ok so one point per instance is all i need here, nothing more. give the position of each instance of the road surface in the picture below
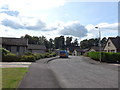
(81, 72)
(72, 72)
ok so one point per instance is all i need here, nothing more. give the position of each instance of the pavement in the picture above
(14, 64)
(39, 76)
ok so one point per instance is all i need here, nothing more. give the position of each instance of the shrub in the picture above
(4, 51)
(47, 55)
(10, 58)
(28, 53)
(105, 57)
(54, 54)
(28, 58)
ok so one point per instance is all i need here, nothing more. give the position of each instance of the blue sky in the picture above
(86, 12)
(53, 18)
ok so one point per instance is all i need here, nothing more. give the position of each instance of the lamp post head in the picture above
(96, 27)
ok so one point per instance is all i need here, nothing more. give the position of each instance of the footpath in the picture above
(39, 76)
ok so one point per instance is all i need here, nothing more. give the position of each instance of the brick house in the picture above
(113, 44)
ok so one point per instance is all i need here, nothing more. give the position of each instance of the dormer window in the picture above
(108, 44)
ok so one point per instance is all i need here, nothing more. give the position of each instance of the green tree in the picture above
(51, 43)
(68, 41)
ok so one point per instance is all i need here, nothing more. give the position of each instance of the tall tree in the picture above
(56, 42)
(51, 43)
(68, 41)
(75, 42)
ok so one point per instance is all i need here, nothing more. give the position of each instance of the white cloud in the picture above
(107, 30)
(74, 28)
(26, 6)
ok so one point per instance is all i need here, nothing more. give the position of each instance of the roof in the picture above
(36, 47)
(115, 41)
(79, 50)
(95, 48)
(14, 41)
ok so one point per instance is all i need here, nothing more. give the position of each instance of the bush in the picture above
(105, 57)
(28, 53)
(54, 54)
(10, 58)
(4, 51)
(28, 58)
(47, 55)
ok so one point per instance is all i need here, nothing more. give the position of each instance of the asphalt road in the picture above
(72, 72)
(81, 72)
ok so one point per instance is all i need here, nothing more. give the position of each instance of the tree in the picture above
(51, 45)
(103, 41)
(92, 42)
(68, 41)
(59, 42)
(56, 42)
(75, 42)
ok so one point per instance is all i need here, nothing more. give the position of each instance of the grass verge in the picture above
(11, 77)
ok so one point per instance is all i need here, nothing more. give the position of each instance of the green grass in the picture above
(11, 77)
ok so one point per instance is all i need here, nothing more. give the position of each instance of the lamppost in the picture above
(99, 42)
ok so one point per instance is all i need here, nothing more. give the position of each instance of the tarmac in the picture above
(39, 75)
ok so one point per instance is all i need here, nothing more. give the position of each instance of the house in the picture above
(36, 48)
(78, 52)
(95, 49)
(17, 46)
(113, 44)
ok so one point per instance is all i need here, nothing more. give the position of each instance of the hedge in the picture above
(105, 56)
(10, 57)
(28, 57)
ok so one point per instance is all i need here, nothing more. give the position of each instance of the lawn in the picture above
(11, 77)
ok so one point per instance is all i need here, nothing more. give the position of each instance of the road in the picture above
(81, 72)
(72, 72)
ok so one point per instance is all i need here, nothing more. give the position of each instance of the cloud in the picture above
(5, 9)
(39, 26)
(27, 6)
(12, 24)
(107, 30)
(11, 13)
(16, 25)
(75, 29)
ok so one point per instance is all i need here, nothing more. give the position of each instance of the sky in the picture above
(53, 18)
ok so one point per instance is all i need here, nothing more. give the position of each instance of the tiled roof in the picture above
(37, 47)
(116, 41)
(14, 41)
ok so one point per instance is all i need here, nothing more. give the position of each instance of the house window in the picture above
(112, 50)
(108, 44)
(18, 48)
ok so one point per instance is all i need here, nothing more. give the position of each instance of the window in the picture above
(18, 48)
(112, 50)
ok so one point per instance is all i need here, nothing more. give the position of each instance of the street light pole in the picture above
(99, 42)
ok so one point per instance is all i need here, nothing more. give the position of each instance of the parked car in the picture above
(63, 54)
